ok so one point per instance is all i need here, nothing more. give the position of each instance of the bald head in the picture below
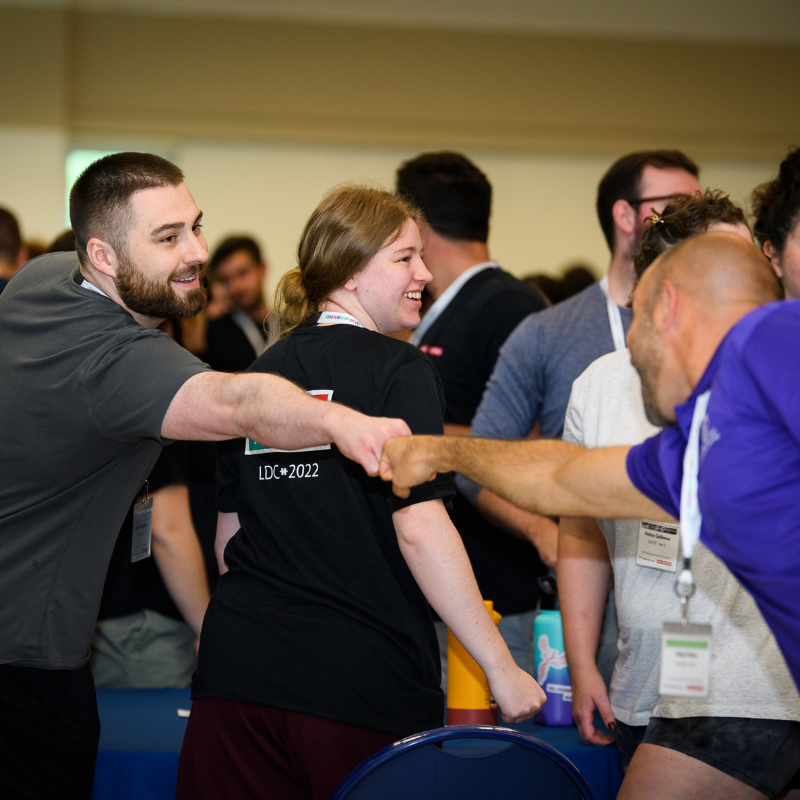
(717, 269)
(683, 308)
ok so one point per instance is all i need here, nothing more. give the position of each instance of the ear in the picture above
(668, 308)
(102, 257)
(351, 285)
(774, 257)
(624, 217)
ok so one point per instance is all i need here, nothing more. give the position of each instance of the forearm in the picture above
(272, 411)
(436, 557)
(540, 531)
(583, 577)
(180, 561)
(546, 477)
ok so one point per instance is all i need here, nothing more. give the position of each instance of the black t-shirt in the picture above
(463, 344)
(319, 612)
(132, 587)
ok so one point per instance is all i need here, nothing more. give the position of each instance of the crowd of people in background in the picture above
(395, 309)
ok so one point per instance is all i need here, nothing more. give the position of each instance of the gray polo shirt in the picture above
(83, 394)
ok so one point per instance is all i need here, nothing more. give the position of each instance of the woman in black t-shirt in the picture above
(318, 647)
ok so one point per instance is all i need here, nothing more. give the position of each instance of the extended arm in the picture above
(583, 573)
(213, 406)
(177, 553)
(546, 477)
(436, 557)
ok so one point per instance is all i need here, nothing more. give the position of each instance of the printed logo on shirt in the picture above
(432, 350)
(708, 437)
(253, 448)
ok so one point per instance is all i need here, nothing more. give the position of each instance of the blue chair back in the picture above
(466, 762)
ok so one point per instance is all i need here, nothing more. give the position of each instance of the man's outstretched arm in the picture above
(213, 406)
(547, 477)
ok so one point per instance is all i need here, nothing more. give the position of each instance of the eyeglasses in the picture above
(637, 201)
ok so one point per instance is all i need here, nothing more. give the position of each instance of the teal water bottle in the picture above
(550, 669)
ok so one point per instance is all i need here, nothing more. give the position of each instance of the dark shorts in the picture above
(235, 750)
(763, 753)
(49, 730)
(627, 738)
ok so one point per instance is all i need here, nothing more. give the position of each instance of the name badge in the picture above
(658, 545)
(685, 660)
(142, 529)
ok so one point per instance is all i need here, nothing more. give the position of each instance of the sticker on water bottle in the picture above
(685, 660)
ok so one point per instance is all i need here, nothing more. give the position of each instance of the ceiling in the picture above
(741, 21)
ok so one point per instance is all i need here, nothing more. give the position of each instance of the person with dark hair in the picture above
(12, 252)
(318, 647)
(717, 361)
(95, 391)
(235, 340)
(476, 305)
(685, 217)
(546, 352)
(63, 243)
(776, 206)
(606, 409)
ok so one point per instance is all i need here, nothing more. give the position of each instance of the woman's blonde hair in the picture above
(346, 230)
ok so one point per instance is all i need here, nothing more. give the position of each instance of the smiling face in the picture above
(159, 270)
(389, 288)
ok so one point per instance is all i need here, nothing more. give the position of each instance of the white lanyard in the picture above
(91, 287)
(338, 318)
(614, 317)
(691, 516)
(445, 298)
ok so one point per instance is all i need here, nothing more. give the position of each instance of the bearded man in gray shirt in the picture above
(91, 392)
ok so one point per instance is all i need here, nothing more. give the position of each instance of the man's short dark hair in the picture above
(232, 245)
(453, 194)
(622, 180)
(10, 237)
(99, 202)
(682, 219)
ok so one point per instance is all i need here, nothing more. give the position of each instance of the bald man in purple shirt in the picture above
(704, 320)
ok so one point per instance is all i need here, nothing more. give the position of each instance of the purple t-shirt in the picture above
(749, 479)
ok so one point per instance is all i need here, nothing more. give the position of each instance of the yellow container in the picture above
(469, 701)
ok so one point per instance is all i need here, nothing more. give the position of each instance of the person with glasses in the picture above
(533, 376)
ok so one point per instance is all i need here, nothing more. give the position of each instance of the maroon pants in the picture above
(239, 751)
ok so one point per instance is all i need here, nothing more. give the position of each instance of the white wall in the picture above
(543, 210)
(32, 179)
(543, 217)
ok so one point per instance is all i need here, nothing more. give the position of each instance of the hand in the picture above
(589, 693)
(362, 438)
(517, 694)
(543, 535)
(407, 462)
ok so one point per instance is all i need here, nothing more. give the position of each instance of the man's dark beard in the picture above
(157, 299)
